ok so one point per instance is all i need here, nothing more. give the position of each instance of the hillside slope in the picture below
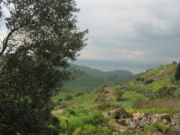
(147, 105)
(93, 78)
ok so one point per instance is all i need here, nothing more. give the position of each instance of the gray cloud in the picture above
(131, 30)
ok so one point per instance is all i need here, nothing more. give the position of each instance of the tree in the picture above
(42, 39)
(177, 74)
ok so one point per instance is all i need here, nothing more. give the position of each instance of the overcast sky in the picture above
(131, 31)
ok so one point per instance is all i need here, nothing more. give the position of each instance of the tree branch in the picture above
(5, 42)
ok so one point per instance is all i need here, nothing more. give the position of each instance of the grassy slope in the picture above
(134, 96)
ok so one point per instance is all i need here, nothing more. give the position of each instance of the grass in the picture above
(173, 103)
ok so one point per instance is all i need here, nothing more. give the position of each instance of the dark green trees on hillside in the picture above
(177, 75)
(42, 38)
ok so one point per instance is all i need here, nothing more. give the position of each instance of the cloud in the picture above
(131, 30)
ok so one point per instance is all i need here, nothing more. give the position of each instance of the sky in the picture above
(131, 34)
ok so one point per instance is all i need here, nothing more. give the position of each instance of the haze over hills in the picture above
(92, 78)
(108, 65)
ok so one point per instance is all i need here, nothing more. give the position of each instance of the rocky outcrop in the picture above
(148, 81)
(138, 121)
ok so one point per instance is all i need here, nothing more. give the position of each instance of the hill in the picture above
(92, 78)
(147, 105)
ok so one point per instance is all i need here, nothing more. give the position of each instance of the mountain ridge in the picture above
(91, 78)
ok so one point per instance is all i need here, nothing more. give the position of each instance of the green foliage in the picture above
(119, 93)
(127, 133)
(68, 97)
(177, 93)
(133, 96)
(103, 106)
(177, 74)
(83, 122)
(159, 127)
(42, 39)
(166, 91)
(79, 94)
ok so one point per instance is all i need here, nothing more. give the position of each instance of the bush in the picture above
(127, 133)
(174, 62)
(177, 74)
(177, 93)
(140, 78)
(103, 106)
(166, 91)
(79, 94)
(68, 97)
(159, 127)
(60, 100)
(79, 122)
(64, 105)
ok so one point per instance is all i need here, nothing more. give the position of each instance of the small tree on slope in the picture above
(177, 74)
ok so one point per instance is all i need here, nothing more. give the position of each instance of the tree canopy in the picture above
(34, 57)
(177, 74)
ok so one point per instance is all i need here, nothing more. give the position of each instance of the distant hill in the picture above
(93, 78)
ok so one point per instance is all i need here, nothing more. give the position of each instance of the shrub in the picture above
(165, 91)
(126, 133)
(60, 100)
(106, 91)
(140, 78)
(177, 74)
(177, 93)
(79, 94)
(103, 106)
(174, 62)
(68, 97)
(64, 105)
(82, 123)
(155, 127)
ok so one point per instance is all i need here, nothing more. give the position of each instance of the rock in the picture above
(160, 117)
(110, 113)
(175, 120)
(144, 122)
(132, 124)
(165, 116)
(138, 121)
(122, 122)
(176, 116)
(121, 113)
(148, 81)
(177, 127)
(116, 127)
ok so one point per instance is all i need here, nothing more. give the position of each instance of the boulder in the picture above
(148, 81)
(121, 113)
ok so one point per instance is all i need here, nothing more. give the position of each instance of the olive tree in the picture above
(42, 39)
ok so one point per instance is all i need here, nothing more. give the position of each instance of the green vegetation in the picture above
(90, 79)
(137, 96)
(177, 75)
(159, 127)
(82, 122)
(42, 39)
